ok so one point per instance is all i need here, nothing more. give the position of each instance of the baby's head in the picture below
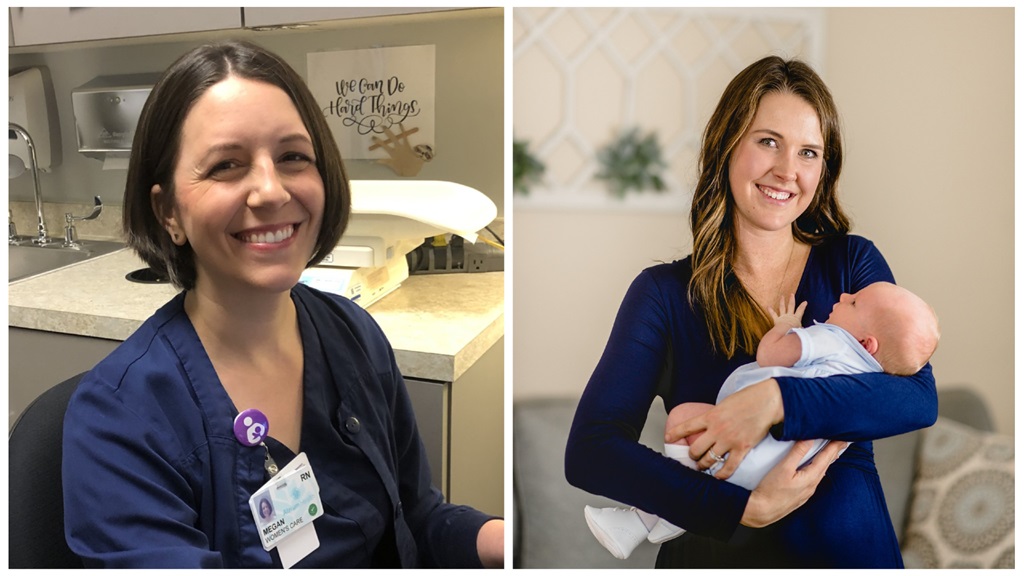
(893, 324)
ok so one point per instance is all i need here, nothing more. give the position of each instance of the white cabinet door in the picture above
(256, 17)
(31, 26)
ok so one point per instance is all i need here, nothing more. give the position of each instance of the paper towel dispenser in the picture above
(107, 110)
(33, 106)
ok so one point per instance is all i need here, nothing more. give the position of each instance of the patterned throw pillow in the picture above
(961, 514)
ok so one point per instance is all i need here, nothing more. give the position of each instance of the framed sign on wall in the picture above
(379, 102)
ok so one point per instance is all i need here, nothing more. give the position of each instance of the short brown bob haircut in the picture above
(157, 143)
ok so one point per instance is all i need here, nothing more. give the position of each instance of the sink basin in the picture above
(27, 259)
(146, 276)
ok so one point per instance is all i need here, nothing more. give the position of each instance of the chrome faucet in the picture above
(12, 230)
(70, 235)
(41, 237)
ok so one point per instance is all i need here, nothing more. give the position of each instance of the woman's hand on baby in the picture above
(786, 488)
(789, 315)
(732, 427)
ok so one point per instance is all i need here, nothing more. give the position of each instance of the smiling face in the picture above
(777, 164)
(247, 193)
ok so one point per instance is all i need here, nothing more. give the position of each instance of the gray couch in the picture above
(550, 531)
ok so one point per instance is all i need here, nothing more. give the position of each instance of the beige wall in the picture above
(469, 94)
(927, 101)
(588, 74)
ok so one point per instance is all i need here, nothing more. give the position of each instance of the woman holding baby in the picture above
(766, 223)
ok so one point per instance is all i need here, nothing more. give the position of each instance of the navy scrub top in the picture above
(154, 477)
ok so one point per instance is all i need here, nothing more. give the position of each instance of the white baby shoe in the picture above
(664, 531)
(620, 530)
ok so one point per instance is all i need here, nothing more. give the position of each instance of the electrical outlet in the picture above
(477, 263)
(483, 258)
(455, 256)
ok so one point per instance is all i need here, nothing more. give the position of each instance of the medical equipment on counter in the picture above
(389, 219)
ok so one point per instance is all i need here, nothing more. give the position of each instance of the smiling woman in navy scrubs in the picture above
(235, 186)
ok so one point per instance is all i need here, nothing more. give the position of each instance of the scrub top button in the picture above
(352, 425)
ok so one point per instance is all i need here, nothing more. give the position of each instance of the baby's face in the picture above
(854, 312)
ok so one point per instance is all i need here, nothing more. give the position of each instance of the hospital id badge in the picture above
(289, 502)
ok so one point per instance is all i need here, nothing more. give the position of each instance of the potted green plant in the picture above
(526, 169)
(632, 162)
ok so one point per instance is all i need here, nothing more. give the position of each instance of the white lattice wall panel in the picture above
(583, 75)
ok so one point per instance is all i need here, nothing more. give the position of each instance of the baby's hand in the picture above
(788, 317)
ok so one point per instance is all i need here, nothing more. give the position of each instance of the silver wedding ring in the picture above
(715, 457)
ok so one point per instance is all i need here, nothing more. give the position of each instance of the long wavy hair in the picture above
(734, 320)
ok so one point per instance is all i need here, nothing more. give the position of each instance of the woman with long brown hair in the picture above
(766, 222)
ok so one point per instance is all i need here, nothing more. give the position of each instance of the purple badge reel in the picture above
(251, 427)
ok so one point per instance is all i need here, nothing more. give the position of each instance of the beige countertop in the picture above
(438, 324)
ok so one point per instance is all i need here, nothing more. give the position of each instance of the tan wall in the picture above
(469, 99)
(927, 101)
(928, 107)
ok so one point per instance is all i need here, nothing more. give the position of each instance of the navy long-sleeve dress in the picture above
(659, 345)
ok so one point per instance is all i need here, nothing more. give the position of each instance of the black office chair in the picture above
(36, 519)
